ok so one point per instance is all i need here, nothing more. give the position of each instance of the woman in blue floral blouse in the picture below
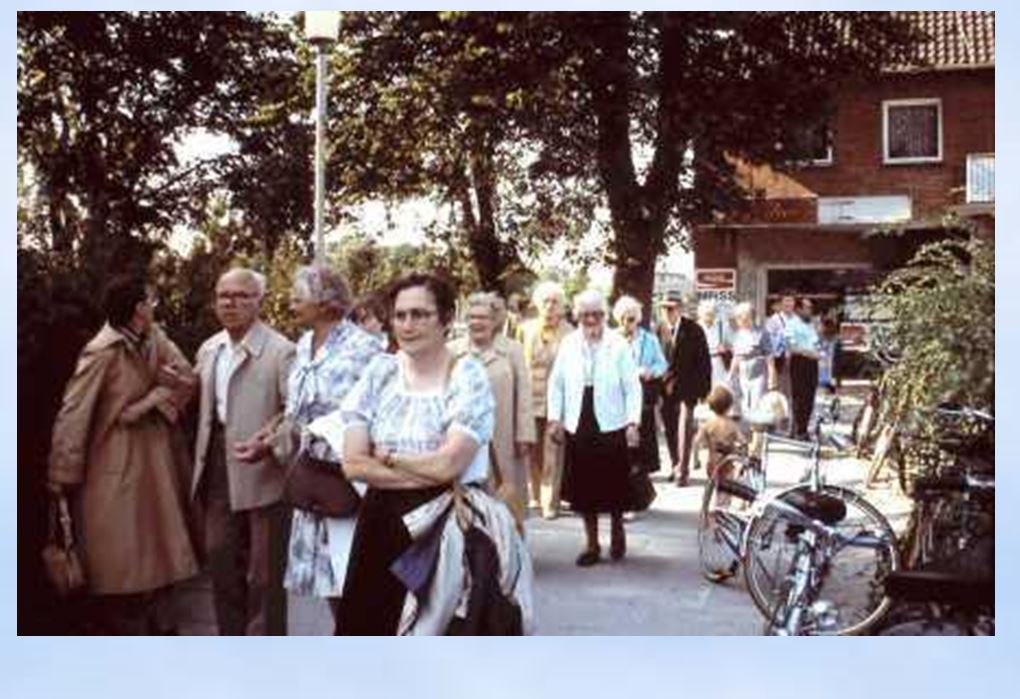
(330, 358)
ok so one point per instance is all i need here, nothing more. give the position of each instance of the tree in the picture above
(448, 101)
(431, 104)
(696, 91)
(940, 310)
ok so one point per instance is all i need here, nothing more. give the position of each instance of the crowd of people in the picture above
(450, 441)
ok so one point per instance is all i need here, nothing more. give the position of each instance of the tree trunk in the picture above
(639, 213)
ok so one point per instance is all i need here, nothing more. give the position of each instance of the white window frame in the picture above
(926, 101)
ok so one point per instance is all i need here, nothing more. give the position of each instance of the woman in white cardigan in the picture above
(595, 396)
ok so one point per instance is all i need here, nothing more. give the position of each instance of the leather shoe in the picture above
(588, 558)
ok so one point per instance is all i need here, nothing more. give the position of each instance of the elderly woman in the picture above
(595, 396)
(117, 448)
(647, 354)
(717, 338)
(417, 421)
(515, 424)
(754, 367)
(540, 338)
(330, 357)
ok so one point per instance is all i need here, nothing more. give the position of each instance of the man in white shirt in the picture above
(243, 371)
(802, 346)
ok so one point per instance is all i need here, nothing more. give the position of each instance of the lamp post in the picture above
(322, 28)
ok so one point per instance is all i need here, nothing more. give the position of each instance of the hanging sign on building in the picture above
(715, 279)
(719, 284)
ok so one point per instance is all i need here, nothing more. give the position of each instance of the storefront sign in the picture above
(715, 280)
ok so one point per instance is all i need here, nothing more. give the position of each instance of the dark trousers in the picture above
(670, 411)
(803, 385)
(135, 614)
(246, 554)
(674, 412)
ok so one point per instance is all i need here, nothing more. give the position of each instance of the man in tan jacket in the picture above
(243, 371)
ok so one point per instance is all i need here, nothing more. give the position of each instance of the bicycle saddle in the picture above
(940, 587)
(823, 507)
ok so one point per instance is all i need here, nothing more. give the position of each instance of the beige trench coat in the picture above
(133, 496)
(515, 422)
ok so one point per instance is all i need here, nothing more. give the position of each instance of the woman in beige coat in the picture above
(118, 452)
(540, 337)
(514, 422)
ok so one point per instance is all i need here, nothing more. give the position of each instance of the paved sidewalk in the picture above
(657, 589)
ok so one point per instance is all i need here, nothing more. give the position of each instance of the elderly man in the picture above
(243, 371)
(687, 381)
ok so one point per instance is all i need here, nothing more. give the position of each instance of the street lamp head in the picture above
(322, 26)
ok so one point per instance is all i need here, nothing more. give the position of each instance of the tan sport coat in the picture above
(256, 393)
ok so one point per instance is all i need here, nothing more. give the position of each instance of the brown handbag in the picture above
(60, 556)
(316, 485)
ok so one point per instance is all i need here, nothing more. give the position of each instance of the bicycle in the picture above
(817, 554)
(952, 590)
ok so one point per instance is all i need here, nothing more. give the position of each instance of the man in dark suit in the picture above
(687, 381)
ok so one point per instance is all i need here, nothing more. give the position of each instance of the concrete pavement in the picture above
(657, 589)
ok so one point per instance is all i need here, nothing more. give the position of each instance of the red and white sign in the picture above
(715, 280)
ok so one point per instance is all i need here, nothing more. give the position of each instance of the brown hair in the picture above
(720, 400)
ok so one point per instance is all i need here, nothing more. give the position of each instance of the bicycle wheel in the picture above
(719, 534)
(851, 580)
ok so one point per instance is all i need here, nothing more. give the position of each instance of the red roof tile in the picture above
(955, 39)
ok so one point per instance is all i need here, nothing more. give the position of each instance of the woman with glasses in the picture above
(647, 354)
(416, 422)
(514, 424)
(595, 397)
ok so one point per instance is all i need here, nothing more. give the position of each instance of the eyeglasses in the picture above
(415, 315)
(591, 314)
(234, 295)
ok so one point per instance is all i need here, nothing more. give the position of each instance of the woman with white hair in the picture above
(717, 338)
(647, 354)
(514, 424)
(329, 359)
(595, 396)
(754, 367)
(540, 339)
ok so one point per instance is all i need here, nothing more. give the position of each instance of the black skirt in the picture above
(645, 457)
(373, 597)
(596, 466)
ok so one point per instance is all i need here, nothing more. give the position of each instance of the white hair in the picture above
(589, 298)
(743, 309)
(487, 299)
(546, 290)
(257, 279)
(625, 305)
(323, 285)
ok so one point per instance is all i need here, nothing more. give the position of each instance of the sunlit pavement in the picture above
(657, 589)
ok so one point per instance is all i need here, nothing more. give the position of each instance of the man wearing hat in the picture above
(687, 380)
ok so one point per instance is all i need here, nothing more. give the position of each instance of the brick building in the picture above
(900, 152)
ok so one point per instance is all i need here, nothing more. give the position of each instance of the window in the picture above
(810, 145)
(912, 131)
(980, 178)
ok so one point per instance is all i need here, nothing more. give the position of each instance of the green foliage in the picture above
(941, 308)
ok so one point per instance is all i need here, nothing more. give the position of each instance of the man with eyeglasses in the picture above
(243, 371)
